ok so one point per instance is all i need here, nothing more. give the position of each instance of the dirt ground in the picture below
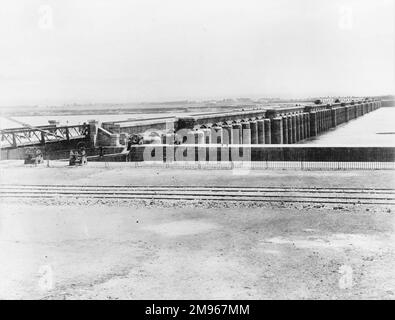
(139, 250)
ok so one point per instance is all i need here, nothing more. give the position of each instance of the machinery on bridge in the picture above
(153, 137)
(144, 138)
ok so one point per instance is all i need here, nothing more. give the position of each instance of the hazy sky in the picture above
(54, 52)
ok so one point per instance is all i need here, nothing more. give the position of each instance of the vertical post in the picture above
(277, 130)
(334, 117)
(302, 125)
(246, 136)
(319, 120)
(347, 111)
(67, 134)
(294, 129)
(297, 127)
(307, 114)
(268, 130)
(13, 140)
(226, 132)
(289, 125)
(305, 125)
(254, 132)
(93, 131)
(313, 124)
(42, 137)
(285, 129)
(328, 119)
(207, 136)
(261, 131)
(236, 133)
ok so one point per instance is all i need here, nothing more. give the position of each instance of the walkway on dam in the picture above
(375, 128)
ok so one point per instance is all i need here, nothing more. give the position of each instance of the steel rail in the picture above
(210, 194)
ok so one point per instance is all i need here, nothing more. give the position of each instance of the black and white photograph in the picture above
(185, 150)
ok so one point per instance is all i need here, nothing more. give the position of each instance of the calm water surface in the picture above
(375, 128)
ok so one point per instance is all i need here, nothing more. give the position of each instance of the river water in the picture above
(376, 128)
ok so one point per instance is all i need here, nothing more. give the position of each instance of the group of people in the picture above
(34, 156)
(78, 157)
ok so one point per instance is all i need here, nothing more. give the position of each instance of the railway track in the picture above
(204, 193)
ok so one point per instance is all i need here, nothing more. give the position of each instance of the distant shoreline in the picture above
(137, 109)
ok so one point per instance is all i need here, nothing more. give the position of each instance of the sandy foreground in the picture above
(190, 250)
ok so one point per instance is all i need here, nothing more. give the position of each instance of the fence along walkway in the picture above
(267, 165)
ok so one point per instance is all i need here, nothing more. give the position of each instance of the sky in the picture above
(115, 51)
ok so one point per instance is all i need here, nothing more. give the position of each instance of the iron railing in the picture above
(41, 135)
